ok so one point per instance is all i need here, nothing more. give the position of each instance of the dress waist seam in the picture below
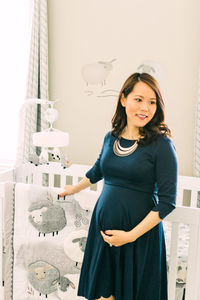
(130, 188)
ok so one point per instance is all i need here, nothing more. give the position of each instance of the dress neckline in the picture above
(126, 139)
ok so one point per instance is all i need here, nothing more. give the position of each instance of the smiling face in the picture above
(140, 105)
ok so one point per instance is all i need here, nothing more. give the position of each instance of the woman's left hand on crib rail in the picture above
(72, 189)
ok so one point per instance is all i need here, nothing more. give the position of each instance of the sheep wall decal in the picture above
(145, 68)
(96, 73)
(155, 69)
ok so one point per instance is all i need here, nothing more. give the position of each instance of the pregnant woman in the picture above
(125, 254)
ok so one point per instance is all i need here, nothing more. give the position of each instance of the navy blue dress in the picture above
(133, 186)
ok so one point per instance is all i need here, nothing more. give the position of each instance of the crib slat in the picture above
(179, 198)
(29, 178)
(193, 198)
(191, 293)
(23, 178)
(173, 261)
(62, 181)
(37, 177)
(51, 180)
(75, 180)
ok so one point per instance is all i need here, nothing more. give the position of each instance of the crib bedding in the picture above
(8, 233)
(44, 239)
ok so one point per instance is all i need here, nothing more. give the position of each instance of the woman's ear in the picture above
(123, 100)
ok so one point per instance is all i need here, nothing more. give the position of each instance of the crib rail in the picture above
(53, 172)
(191, 217)
(191, 184)
(53, 175)
(29, 173)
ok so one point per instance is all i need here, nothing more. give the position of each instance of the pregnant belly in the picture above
(122, 208)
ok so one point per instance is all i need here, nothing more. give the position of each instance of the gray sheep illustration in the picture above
(75, 243)
(67, 289)
(74, 210)
(82, 242)
(41, 250)
(97, 72)
(43, 277)
(47, 217)
(64, 283)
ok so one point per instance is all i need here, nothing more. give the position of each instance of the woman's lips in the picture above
(141, 118)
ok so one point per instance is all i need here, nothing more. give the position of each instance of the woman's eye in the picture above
(138, 100)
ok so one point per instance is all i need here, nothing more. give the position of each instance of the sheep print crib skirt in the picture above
(134, 271)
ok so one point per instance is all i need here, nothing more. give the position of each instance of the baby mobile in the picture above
(51, 139)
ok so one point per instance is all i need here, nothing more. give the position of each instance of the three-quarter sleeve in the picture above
(166, 175)
(95, 173)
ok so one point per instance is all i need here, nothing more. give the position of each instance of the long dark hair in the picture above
(152, 129)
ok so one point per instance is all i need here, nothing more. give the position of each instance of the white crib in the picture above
(55, 175)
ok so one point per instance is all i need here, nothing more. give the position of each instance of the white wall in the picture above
(86, 31)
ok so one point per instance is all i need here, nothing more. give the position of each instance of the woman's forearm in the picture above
(151, 220)
(83, 184)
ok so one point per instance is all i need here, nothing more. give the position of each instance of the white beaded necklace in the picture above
(121, 151)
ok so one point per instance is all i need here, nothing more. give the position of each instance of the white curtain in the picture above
(197, 138)
(14, 54)
(32, 117)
